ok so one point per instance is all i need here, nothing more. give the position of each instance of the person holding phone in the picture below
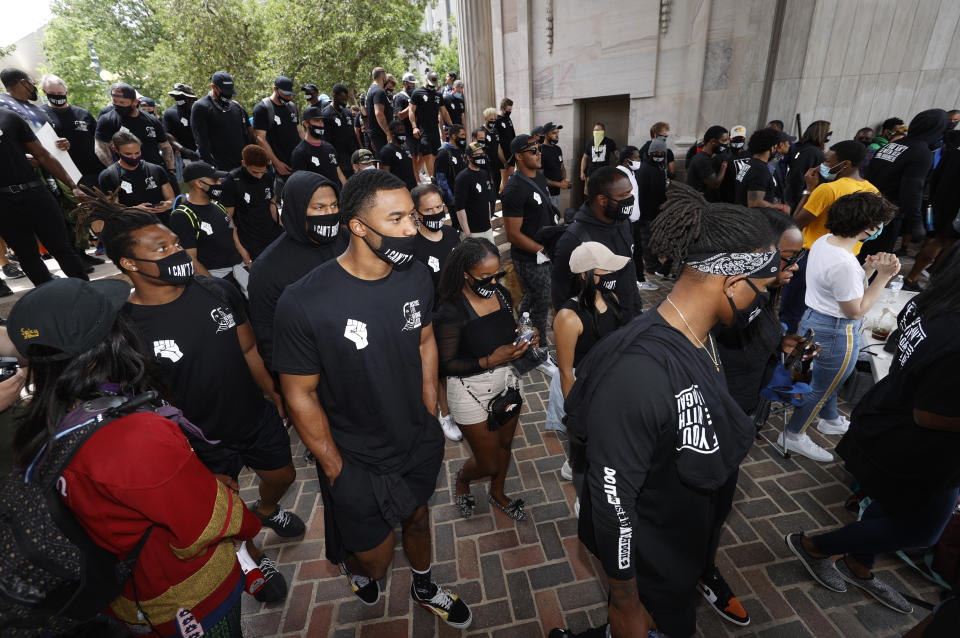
(136, 182)
(476, 341)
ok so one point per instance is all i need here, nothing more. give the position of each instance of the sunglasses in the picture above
(487, 280)
(790, 261)
(533, 151)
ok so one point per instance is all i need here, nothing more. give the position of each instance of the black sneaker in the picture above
(90, 259)
(366, 589)
(12, 271)
(275, 585)
(447, 605)
(5, 289)
(715, 589)
(284, 522)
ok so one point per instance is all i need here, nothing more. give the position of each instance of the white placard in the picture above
(48, 139)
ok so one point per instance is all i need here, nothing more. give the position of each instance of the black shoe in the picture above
(715, 589)
(46, 257)
(90, 259)
(284, 522)
(5, 289)
(366, 589)
(88, 269)
(447, 605)
(12, 271)
(912, 286)
(275, 585)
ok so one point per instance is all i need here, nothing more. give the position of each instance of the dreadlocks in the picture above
(118, 222)
(688, 224)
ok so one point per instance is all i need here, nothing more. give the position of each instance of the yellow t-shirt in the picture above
(822, 198)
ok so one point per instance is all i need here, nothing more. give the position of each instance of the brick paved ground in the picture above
(522, 579)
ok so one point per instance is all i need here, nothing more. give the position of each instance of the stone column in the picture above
(475, 49)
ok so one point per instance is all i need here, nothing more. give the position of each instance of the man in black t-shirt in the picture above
(207, 231)
(474, 195)
(450, 161)
(176, 121)
(220, 125)
(552, 159)
(248, 196)
(379, 110)
(125, 115)
(453, 102)
(426, 111)
(276, 126)
(338, 126)
(137, 182)
(700, 171)
(598, 152)
(30, 211)
(526, 210)
(357, 360)
(659, 130)
(401, 104)
(203, 347)
(505, 135)
(76, 125)
(756, 184)
(396, 158)
(313, 153)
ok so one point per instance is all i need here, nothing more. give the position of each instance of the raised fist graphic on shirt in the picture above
(356, 331)
(167, 349)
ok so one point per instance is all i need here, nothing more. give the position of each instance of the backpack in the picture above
(268, 104)
(53, 576)
(180, 205)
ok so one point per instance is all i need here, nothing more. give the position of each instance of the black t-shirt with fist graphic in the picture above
(433, 254)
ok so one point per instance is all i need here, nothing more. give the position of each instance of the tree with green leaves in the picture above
(447, 59)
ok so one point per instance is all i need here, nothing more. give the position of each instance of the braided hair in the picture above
(461, 259)
(687, 224)
(119, 222)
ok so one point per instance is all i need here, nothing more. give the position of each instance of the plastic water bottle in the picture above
(524, 329)
(251, 570)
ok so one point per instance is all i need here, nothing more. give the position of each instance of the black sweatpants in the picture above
(34, 214)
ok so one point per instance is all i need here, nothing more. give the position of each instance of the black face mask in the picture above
(434, 222)
(507, 115)
(131, 162)
(743, 318)
(461, 143)
(827, 138)
(224, 101)
(619, 209)
(396, 251)
(721, 148)
(389, 92)
(480, 160)
(123, 111)
(57, 100)
(608, 281)
(175, 269)
(490, 125)
(483, 287)
(401, 138)
(316, 131)
(323, 229)
(33, 93)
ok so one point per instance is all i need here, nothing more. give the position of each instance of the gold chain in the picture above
(713, 357)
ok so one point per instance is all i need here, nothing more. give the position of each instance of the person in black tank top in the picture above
(476, 333)
(582, 321)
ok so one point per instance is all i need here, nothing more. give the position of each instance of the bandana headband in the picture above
(753, 265)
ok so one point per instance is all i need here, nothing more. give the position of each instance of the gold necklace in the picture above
(713, 357)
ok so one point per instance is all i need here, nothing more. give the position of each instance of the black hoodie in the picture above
(652, 187)
(291, 256)
(618, 237)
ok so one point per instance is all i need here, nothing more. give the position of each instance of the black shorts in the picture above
(943, 217)
(429, 143)
(266, 448)
(412, 144)
(355, 519)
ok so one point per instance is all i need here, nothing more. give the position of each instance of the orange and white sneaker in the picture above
(715, 589)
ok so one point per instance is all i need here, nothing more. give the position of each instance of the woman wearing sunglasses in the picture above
(476, 341)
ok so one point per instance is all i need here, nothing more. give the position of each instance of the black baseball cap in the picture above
(521, 143)
(197, 170)
(537, 130)
(39, 317)
(284, 85)
(551, 126)
(223, 81)
(122, 89)
(147, 101)
(310, 87)
(311, 112)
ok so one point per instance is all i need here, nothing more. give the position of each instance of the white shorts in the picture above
(469, 410)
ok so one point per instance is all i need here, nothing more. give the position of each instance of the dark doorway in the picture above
(614, 112)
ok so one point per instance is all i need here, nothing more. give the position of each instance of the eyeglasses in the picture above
(790, 261)
(533, 151)
(486, 280)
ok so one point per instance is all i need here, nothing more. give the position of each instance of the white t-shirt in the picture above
(833, 275)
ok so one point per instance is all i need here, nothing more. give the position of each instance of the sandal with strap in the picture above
(513, 509)
(464, 502)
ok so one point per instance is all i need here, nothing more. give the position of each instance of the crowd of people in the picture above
(336, 270)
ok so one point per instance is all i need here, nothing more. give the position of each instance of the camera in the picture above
(8, 367)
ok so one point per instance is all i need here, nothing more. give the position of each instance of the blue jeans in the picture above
(840, 340)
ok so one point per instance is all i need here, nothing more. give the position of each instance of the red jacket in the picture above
(140, 470)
